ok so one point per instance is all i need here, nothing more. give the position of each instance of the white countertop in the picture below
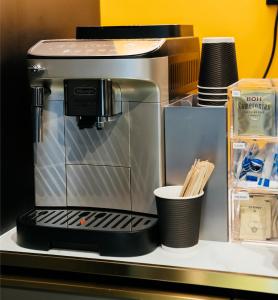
(250, 259)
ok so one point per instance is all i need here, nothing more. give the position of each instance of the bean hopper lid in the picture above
(134, 32)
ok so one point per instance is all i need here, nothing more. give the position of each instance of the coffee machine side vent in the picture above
(183, 75)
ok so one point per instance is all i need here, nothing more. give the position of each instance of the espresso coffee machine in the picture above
(99, 137)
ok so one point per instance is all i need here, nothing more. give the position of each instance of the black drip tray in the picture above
(109, 232)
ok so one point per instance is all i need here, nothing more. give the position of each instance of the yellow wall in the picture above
(249, 21)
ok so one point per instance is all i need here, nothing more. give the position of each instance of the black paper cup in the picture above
(222, 90)
(179, 217)
(218, 67)
(209, 106)
(212, 96)
(207, 103)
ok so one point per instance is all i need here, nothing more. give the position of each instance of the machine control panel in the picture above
(91, 48)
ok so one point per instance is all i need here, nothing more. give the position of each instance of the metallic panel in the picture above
(44, 289)
(194, 132)
(98, 267)
(146, 147)
(109, 146)
(34, 293)
(146, 69)
(49, 158)
(135, 140)
(98, 186)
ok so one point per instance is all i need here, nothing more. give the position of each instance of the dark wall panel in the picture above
(23, 23)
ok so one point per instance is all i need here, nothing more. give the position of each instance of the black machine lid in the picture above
(134, 32)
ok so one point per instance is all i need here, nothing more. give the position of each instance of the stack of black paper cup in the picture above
(218, 70)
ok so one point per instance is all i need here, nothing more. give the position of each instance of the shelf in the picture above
(209, 263)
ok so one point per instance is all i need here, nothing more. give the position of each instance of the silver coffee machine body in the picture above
(98, 118)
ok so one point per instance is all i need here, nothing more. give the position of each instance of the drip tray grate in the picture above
(109, 232)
